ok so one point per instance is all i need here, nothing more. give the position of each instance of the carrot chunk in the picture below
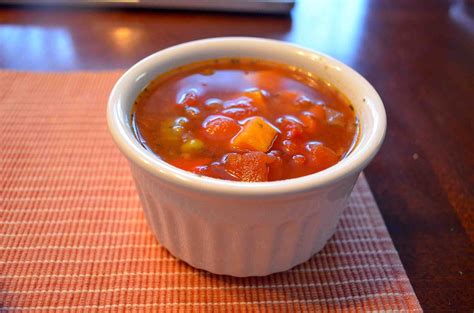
(257, 135)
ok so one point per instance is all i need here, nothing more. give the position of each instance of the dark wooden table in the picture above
(419, 55)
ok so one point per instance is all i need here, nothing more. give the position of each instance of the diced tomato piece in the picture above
(192, 112)
(213, 104)
(218, 127)
(249, 167)
(298, 160)
(334, 117)
(217, 170)
(190, 164)
(188, 98)
(239, 108)
(320, 156)
(312, 123)
(319, 112)
(309, 121)
(236, 113)
(303, 102)
(274, 156)
(275, 164)
(313, 119)
(240, 102)
(294, 132)
(297, 166)
(289, 147)
(201, 170)
(291, 126)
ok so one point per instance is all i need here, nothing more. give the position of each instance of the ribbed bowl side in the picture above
(230, 247)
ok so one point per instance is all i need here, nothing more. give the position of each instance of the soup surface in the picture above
(245, 120)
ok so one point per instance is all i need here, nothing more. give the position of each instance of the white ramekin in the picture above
(238, 228)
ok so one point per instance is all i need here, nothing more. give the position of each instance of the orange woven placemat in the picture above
(73, 236)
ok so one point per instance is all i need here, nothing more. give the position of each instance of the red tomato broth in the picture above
(245, 120)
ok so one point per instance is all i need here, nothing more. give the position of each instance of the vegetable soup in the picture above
(245, 120)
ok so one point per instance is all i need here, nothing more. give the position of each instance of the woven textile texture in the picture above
(73, 236)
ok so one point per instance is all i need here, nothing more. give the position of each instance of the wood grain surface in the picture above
(418, 55)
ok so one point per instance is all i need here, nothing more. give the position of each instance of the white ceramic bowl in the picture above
(239, 228)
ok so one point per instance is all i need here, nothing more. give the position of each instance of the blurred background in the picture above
(104, 34)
